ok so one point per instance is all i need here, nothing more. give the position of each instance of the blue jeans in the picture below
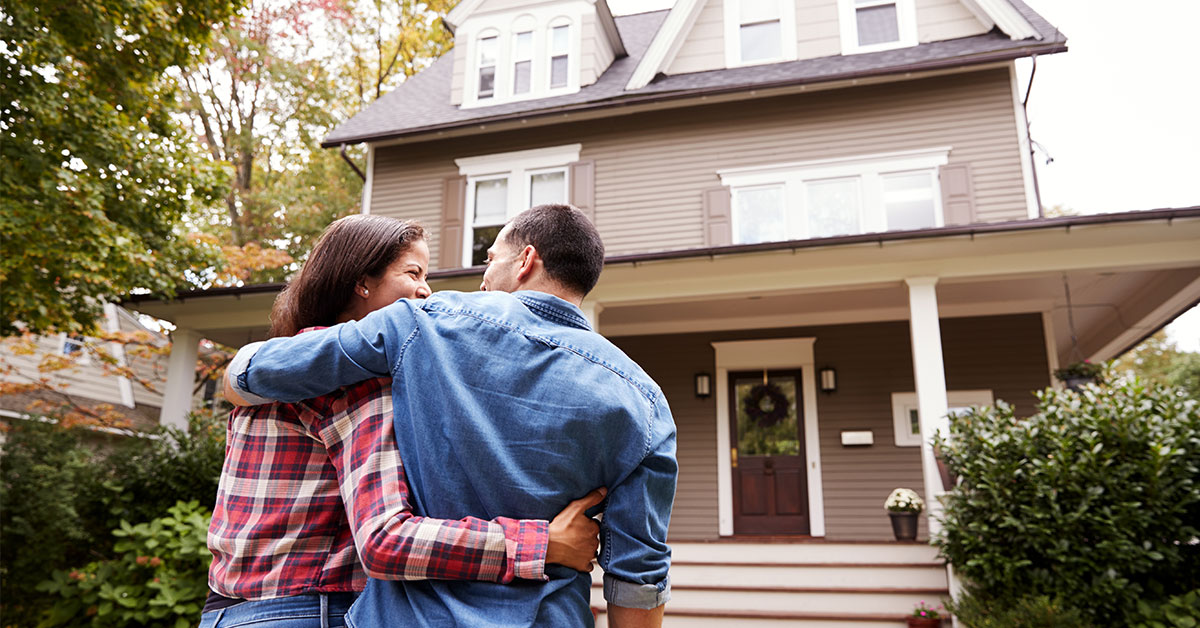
(317, 610)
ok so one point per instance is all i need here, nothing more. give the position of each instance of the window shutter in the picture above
(958, 194)
(454, 209)
(583, 187)
(717, 212)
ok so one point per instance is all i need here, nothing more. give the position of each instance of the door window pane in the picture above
(908, 200)
(760, 215)
(877, 25)
(834, 207)
(547, 187)
(761, 41)
(764, 428)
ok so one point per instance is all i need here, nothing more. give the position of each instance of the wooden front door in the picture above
(770, 486)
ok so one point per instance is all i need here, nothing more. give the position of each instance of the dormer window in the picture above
(487, 65)
(522, 62)
(873, 25)
(560, 55)
(759, 31)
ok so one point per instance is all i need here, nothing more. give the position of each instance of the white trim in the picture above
(906, 26)
(733, 35)
(181, 377)
(1003, 14)
(929, 371)
(460, 13)
(366, 193)
(771, 354)
(1051, 348)
(666, 43)
(1027, 174)
(118, 352)
(904, 159)
(500, 163)
(905, 402)
(1158, 317)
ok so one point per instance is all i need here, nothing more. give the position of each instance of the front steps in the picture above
(802, 584)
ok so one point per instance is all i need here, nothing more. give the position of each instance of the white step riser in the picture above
(803, 553)
(740, 622)
(804, 576)
(857, 603)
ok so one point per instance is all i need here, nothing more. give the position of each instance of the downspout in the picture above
(1037, 192)
(364, 177)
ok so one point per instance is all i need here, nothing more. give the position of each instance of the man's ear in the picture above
(529, 261)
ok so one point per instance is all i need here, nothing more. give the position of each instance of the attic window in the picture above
(560, 46)
(873, 25)
(760, 30)
(522, 62)
(487, 66)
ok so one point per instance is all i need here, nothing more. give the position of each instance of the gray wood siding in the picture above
(818, 32)
(652, 168)
(938, 20)
(1003, 353)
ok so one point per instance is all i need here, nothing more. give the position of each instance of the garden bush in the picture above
(1094, 501)
(158, 576)
(61, 496)
(1180, 611)
(1026, 612)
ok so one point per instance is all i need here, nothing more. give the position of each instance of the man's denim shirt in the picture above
(505, 405)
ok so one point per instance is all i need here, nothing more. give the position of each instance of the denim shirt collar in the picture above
(553, 308)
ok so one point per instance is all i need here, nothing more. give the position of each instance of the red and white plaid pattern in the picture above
(304, 483)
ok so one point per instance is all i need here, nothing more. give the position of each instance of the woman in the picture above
(309, 488)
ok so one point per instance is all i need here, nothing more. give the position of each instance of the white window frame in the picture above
(477, 65)
(81, 357)
(518, 167)
(538, 20)
(903, 404)
(789, 48)
(871, 169)
(530, 58)
(906, 18)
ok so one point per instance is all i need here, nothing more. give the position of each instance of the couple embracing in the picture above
(449, 446)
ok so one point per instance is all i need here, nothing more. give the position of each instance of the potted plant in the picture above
(925, 616)
(903, 506)
(1079, 374)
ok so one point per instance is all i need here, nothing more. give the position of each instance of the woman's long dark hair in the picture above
(351, 248)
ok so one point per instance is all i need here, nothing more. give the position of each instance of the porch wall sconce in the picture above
(703, 385)
(828, 380)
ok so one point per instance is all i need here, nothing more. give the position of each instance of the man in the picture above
(506, 401)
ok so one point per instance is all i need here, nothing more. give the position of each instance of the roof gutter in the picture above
(618, 102)
(352, 164)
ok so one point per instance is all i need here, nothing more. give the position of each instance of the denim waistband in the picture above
(286, 607)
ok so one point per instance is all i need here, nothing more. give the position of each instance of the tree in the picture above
(97, 174)
(1158, 359)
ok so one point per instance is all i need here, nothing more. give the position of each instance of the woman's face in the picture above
(405, 278)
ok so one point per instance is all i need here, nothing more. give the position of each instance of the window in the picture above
(522, 62)
(840, 197)
(560, 56)
(487, 66)
(872, 25)
(501, 186)
(74, 347)
(906, 416)
(759, 31)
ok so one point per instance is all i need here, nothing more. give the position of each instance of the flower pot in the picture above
(904, 526)
(923, 622)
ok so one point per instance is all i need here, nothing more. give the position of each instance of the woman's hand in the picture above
(574, 536)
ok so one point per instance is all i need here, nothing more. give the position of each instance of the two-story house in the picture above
(823, 236)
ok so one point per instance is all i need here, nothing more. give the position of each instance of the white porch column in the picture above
(591, 311)
(930, 372)
(181, 378)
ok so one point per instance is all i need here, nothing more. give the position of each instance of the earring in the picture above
(365, 292)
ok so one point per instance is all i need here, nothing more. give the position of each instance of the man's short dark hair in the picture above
(568, 243)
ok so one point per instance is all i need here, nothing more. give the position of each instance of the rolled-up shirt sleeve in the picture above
(318, 362)
(635, 556)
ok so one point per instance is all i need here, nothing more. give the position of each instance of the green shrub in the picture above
(1093, 501)
(975, 611)
(61, 496)
(158, 576)
(1179, 611)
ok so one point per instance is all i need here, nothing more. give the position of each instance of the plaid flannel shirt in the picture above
(305, 484)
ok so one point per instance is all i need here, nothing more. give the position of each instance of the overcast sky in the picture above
(1117, 112)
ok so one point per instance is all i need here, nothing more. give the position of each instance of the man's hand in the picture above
(574, 536)
(231, 394)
